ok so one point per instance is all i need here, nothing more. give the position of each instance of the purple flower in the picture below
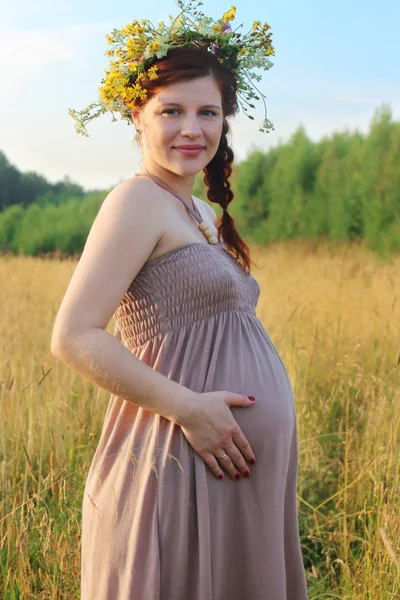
(216, 49)
(226, 28)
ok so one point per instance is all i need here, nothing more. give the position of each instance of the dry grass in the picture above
(334, 315)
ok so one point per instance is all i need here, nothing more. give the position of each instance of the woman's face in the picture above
(184, 113)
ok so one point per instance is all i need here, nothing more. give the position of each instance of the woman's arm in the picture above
(99, 357)
(127, 228)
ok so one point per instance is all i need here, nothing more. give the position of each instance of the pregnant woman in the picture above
(191, 493)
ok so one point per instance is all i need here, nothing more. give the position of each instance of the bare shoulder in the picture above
(134, 193)
(136, 208)
(125, 232)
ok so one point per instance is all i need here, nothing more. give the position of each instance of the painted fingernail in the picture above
(246, 473)
(251, 461)
(237, 475)
(251, 398)
(220, 476)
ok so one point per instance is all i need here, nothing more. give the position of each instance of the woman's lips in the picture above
(190, 152)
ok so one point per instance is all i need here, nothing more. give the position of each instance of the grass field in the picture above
(332, 311)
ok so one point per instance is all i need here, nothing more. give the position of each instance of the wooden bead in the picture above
(203, 225)
(213, 240)
(207, 232)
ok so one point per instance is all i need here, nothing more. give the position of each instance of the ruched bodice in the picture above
(169, 293)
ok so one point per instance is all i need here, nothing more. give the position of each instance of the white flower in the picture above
(148, 52)
(162, 50)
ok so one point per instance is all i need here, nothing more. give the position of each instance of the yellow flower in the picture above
(154, 45)
(217, 28)
(107, 92)
(131, 94)
(256, 25)
(242, 51)
(152, 72)
(120, 53)
(230, 15)
(132, 48)
(221, 60)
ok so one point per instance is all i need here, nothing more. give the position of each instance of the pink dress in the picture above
(156, 522)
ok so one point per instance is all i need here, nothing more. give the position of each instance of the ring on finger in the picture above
(223, 456)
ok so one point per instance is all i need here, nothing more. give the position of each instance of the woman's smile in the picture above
(187, 151)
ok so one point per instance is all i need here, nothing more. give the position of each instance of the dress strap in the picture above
(194, 212)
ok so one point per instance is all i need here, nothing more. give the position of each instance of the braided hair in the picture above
(216, 179)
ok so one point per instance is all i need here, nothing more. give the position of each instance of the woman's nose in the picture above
(190, 126)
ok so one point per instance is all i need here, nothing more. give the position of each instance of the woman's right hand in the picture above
(211, 430)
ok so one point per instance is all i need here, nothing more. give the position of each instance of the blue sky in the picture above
(334, 64)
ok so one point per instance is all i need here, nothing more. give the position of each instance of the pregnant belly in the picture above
(256, 369)
(234, 353)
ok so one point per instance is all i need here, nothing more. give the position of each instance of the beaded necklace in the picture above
(203, 225)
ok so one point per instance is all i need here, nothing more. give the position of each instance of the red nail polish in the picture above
(251, 398)
(246, 473)
(220, 476)
(237, 475)
(251, 461)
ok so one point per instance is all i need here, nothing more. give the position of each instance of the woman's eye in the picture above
(172, 110)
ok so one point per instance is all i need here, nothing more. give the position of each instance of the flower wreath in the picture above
(136, 48)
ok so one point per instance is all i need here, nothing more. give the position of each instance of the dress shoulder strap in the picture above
(194, 211)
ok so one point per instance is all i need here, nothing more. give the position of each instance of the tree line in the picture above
(346, 186)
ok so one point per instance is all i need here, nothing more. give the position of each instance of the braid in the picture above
(216, 178)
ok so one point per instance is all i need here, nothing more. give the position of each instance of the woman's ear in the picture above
(136, 119)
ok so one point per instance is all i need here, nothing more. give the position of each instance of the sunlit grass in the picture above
(332, 312)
